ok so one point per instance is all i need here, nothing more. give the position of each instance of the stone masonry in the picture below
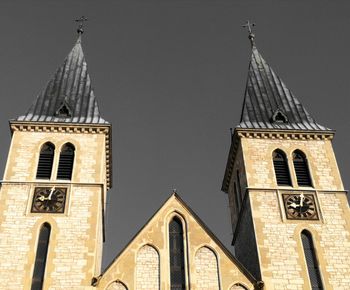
(207, 276)
(147, 269)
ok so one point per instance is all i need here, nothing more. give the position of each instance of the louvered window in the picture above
(280, 164)
(47, 153)
(301, 169)
(311, 261)
(65, 166)
(40, 259)
(177, 261)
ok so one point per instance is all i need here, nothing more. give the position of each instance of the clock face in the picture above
(300, 206)
(49, 200)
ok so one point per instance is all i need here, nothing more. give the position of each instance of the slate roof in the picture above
(68, 97)
(269, 104)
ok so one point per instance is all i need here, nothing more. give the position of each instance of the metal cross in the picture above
(249, 25)
(82, 19)
(251, 36)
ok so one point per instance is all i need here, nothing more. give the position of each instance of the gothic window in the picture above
(301, 168)
(40, 259)
(280, 164)
(311, 261)
(65, 166)
(47, 153)
(177, 260)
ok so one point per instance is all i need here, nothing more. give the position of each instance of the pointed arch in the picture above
(147, 268)
(207, 271)
(280, 164)
(117, 285)
(40, 258)
(47, 153)
(177, 255)
(301, 168)
(238, 286)
(311, 260)
(65, 165)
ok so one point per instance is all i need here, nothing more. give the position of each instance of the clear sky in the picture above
(170, 77)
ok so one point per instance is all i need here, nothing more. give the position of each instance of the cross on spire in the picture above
(81, 21)
(251, 35)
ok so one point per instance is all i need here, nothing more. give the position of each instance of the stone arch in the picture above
(238, 286)
(147, 268)
(117, 285)
(206, 265)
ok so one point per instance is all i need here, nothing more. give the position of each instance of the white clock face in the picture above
(300, 206)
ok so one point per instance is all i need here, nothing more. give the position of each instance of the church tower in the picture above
(53, 193)
(289, 211)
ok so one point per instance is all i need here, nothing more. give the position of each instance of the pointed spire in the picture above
(268, 103)
(68, 97)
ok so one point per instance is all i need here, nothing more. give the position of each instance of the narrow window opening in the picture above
(44, 169)
(65, 166)
(301, 169)
(239, 189)
(311, 261)
(281, 168)
(177, 260)
(237, 200)
(40, 259)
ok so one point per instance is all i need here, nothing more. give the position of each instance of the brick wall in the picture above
(206, 265)
(147, 269)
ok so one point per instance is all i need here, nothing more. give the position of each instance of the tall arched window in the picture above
(280, 164)
(65, 166)
(177, 260)
(301, 168)
(47, 153)
(40, 259)
(311, 261)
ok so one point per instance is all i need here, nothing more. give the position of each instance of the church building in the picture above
(289, 211)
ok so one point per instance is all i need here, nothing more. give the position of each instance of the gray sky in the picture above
(170, 77)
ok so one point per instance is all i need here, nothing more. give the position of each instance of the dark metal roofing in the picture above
(68, 97)
(269, 104)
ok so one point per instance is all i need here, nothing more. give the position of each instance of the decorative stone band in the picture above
(267, 134)
(286, 135)
(72, 128)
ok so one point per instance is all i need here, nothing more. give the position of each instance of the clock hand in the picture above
(293, 205)
(301, 199)
(42, 198)
(51, 192)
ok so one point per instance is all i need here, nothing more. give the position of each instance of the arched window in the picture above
(177, 260)
(40, 259)
(301, 168)
(65, 166)
(47, 153)
(311, 261)
(280, 164)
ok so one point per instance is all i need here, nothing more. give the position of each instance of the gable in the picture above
(144, 262)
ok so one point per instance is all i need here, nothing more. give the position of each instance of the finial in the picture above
(174, 190)
(251, 35)
(80, 29)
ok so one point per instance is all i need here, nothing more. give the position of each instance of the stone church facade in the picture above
(289, 211)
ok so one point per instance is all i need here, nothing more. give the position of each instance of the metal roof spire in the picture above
(81, 21)
(251, 35)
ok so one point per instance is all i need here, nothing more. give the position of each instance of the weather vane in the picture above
(251, 36)
(81, 21)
